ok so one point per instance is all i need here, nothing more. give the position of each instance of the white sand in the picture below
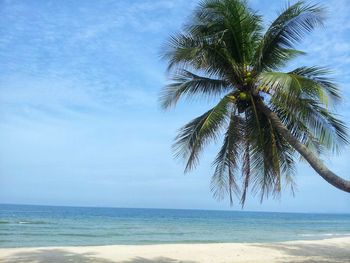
(320, 251)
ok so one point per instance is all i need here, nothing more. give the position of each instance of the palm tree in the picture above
(266, 117)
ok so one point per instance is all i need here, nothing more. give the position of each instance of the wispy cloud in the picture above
(64, 54)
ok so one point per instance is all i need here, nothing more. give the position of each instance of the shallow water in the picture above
(25, 226)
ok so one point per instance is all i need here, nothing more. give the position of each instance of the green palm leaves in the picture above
(307, 114)
(277, 45)
(189, 84)
(223, 52)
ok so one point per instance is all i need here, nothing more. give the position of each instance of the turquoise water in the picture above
(25, 226)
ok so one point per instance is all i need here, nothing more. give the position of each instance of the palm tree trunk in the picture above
(313, 160)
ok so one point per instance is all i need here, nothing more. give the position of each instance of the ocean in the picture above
(32, 226)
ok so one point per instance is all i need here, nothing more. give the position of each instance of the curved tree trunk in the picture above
(313, 160)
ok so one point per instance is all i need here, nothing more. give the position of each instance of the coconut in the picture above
(243, 96)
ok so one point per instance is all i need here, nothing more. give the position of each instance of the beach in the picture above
(326, 250)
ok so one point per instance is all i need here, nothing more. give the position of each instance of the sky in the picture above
(80, 122)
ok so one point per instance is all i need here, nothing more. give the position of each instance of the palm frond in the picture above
(246, 169)
(308, 82)
(187, 84)
(196, 134)
(295, 125)
(209, 55)
(307, 93)
(219, 39)
(329, 131)
(277, 45)
(271, 160)
(239, 27)
(224, 180)
(318, 77)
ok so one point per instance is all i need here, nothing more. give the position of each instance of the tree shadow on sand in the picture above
(64, 256)
(317, 253)
(157, 260)
(54, 255)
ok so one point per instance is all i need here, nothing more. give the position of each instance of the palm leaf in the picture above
(186, 51)
(318, 77)
(226, 161)
(196, 134)
(271, 162)
(238, 26)
(246, 169)
(307, 94)
(310, 82)
(277, 45)
(187, 84)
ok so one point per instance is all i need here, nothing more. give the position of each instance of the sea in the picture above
(34, 226)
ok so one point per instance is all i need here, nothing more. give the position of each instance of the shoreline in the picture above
(322, 250)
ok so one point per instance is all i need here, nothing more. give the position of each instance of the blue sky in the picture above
(79, 119)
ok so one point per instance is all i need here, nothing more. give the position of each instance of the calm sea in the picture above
(25, 226)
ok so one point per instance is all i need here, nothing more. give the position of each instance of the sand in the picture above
(320, 251)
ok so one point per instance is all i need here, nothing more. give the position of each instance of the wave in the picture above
(98, 235)
(24, 222)
(32, 222)
(90, 235)
(324, 234)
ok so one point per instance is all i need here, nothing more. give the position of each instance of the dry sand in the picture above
(320, 251)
